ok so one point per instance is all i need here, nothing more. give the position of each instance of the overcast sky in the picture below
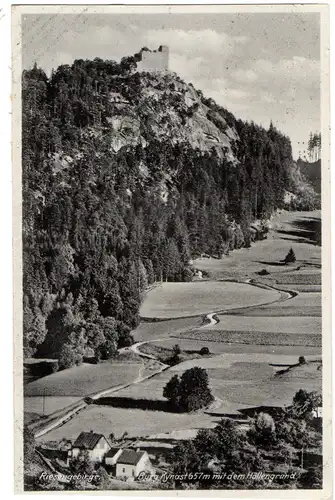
(261, 67)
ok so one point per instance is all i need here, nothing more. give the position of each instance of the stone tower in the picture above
(156, 60)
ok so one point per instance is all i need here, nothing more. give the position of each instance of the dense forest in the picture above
(101, 224)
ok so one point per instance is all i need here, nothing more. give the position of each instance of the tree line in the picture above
(313, 147)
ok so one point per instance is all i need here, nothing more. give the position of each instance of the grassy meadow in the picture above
(84, 380)
(248, 347)
(276, 324)
(187, 299)
(304, 304)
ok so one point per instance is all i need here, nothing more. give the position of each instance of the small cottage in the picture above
(128, 463)
(317, 412)
(112, 455)
(96, 445)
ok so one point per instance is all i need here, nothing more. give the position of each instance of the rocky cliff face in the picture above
(165, 108)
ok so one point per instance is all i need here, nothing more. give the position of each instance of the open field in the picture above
(253, 338)
(84, 380)
(302, 288)
(135, 422)
(277, 324)
(148, 331)
(246, 352)
(187, 299)
(304, 304)
(297, 279)
(224, 348)
(268, 253)
(273, 390)
(249, 365)
(238, 381)
(36, 405)
(164, 354)
(242, 379)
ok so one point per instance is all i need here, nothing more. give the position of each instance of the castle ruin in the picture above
(154, 60)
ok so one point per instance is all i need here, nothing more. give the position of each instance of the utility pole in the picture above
(43, 402)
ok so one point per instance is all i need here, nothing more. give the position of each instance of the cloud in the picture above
(237, 94)
(193, 42)
(245, 75)
(298, 69)
(266, 97)
(192, 69)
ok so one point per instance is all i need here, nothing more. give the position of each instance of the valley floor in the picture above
(260, 332)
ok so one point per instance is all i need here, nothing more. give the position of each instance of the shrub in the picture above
(44, 368)
(175, 358)
(176, 350)
(263, 430)
(205, 319)
(125, 339)
(290, 257)
(302, 360)
(69, 357)
(263, 272)
(203, 351)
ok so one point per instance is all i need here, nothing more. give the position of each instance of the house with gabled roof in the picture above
(96, 445)
(128, 463)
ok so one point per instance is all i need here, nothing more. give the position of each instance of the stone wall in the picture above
(154, 60)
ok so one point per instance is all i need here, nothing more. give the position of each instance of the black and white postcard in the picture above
(172, 250)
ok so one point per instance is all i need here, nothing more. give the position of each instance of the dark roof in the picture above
(87, 440)
(130, 457)
(112, 452)
(272, 410)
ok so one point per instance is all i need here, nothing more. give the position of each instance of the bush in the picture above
(44, 368)
(176, 350)
(203, 351)
(302, 360)
(68, 357)
(263, 430)
(263, 272)
(290, 257)
(175, 358)
(125, 338)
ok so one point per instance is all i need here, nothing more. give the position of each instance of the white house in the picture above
(127, 462)
(96, 445)
(112, 455)
(317, 412)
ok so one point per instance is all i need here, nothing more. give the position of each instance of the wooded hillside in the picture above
(126, 176)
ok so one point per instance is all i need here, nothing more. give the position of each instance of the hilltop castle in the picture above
(154, 60)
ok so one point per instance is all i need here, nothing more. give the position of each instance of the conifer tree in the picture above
(290, 257)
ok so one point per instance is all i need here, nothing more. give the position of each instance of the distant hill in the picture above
(312, 173)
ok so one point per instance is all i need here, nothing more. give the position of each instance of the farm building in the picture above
(96, 445)
(127, 462)
(317, 412)
(112, 455)
(274, 411)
